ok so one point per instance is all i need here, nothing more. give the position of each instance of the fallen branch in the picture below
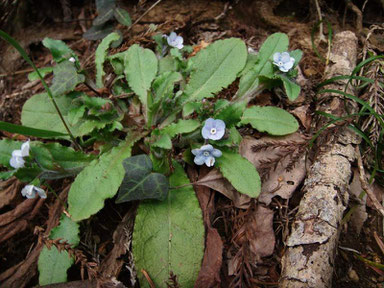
(311, 246)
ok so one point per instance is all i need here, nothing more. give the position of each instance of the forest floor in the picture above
(200, 23)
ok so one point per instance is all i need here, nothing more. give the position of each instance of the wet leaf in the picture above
(98, 32)
(122, 16)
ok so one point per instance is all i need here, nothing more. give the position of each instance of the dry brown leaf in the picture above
(215, 181)
(302, 113)
(280, 182)
(209, 275)
(259, 232)
(8, 191)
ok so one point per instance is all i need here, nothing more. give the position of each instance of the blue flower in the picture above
(30, 191)
(284, 61)
(17, 160)
(174, 40)
(213, 129)
(206, 154)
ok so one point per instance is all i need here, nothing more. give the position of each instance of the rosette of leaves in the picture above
(102, 25)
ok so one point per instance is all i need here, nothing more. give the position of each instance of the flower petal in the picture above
(210, 161)
(206, 132)
(276, 57)
(199, 160)
(17, 153)
(285, 57)
(217, 153)
(40, 191)
(287, 66)
(16, 162)
(25, 149)
(28, 192)
(207, 147)
(196, 151)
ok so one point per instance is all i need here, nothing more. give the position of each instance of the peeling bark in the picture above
(311, 247)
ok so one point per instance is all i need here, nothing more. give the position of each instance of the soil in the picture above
(196, 21)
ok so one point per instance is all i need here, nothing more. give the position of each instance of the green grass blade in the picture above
(28, 131)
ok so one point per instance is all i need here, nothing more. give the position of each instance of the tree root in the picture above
(311, 247)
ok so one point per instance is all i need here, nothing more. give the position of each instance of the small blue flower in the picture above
(284, 61)
(213, 129)
(206, 154)
(174, 40)
(17, 160)
(30, 191)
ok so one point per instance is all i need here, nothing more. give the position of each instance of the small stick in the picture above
(364, 183)
(142, 15)
(150, 282)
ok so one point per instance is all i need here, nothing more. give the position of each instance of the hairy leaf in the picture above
(215, 67)
(99, 181)
(140, 182)
(272, 120)
(59, 49)
(100, 55)
(240, 172)
(140, 70)
(65, 78)
(169, 235)
(53, 264)
(122, 16)
(163, 84)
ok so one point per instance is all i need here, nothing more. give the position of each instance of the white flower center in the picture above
(213, 131)
(206, 153)
(280, 63)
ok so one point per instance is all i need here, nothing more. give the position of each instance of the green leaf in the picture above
(272, 120)
(181, 127)
(39, 112)
(104, 16)
(117, 62)
(240, 172)
(166, 64)
(277, 42)
(6, 175)
(98, 32)
(122, 16)
(53, 264)
(59, 50)
(162, 141)
(140, 70)
(163, 85)
(297, 55)
(168, 236)
(214, 68)
(28, 131)
(53, 156)
(191, 107)
(65, 78)
(100, 55)
(290, 87)
(231, 114)
(251, 62)
(43, 71)
(6, 148)
(233, 139)
(140, 182)
(99, 181)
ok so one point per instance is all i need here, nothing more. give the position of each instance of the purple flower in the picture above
(30, 191)
(175, 41)
(206, 154)
(17, 160)
(213, 129)
(284, 61)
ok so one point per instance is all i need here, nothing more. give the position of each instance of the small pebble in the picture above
(353, 275)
